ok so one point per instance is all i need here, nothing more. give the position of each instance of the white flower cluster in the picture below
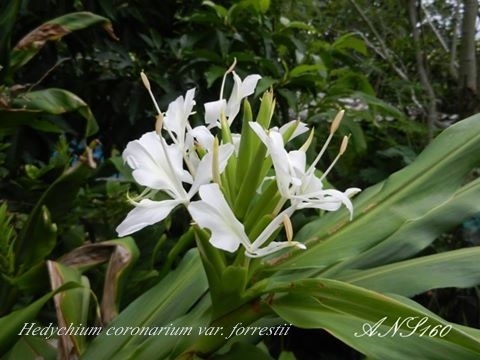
(192, 160)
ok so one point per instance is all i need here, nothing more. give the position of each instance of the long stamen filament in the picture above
(333, 129)
(230, 69)
(343, 147)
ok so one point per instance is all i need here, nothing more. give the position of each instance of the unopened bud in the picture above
(336, 122)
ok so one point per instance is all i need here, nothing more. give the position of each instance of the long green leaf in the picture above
(53, 30)
(372, 323)
(457, 268)
(50, 101)
(159, 306)
(71, 306)
(13, 323)
(413, 236)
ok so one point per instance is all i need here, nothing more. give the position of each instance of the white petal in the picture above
(203, 136)
(224, 153)
(204, 174)
(274, 246)
(213, 110)
(241, 89)
(176, 117)
(249, 84)
(151, 167)
(281, 162)
(300, 129)
(350, 192)
(213, 213)
(147, 212)
(298, 160)
(272, 227)
(329, 200)
(258, 129)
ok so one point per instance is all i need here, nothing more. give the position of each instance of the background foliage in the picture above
(75, 100)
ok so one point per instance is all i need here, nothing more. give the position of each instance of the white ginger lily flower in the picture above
(241, 89)
(300, 186)
(227, 233)
(159, 166)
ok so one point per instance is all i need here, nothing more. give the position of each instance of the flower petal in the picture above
(203, 136)
(300, 128)
(176, 117)
(274, 246)
(249, 84)
(213, 213)
(147, 212)
(151, 167)
(241, 89)
(213, 110)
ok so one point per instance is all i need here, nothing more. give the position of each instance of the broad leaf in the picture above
(457, 268)
(50, 101)
(54, 30)
(159, 306)
(376, 325)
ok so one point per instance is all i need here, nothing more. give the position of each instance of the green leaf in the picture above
(304, 69)
(354, 314)
(45, 240)
(32, 348)
(58, 199)
(350, 41)
(71, 305)
(414, 236)
(159, 306)
(13, 323)
(56, 102)
(457, 268)
(54, 30)
(221, 11)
